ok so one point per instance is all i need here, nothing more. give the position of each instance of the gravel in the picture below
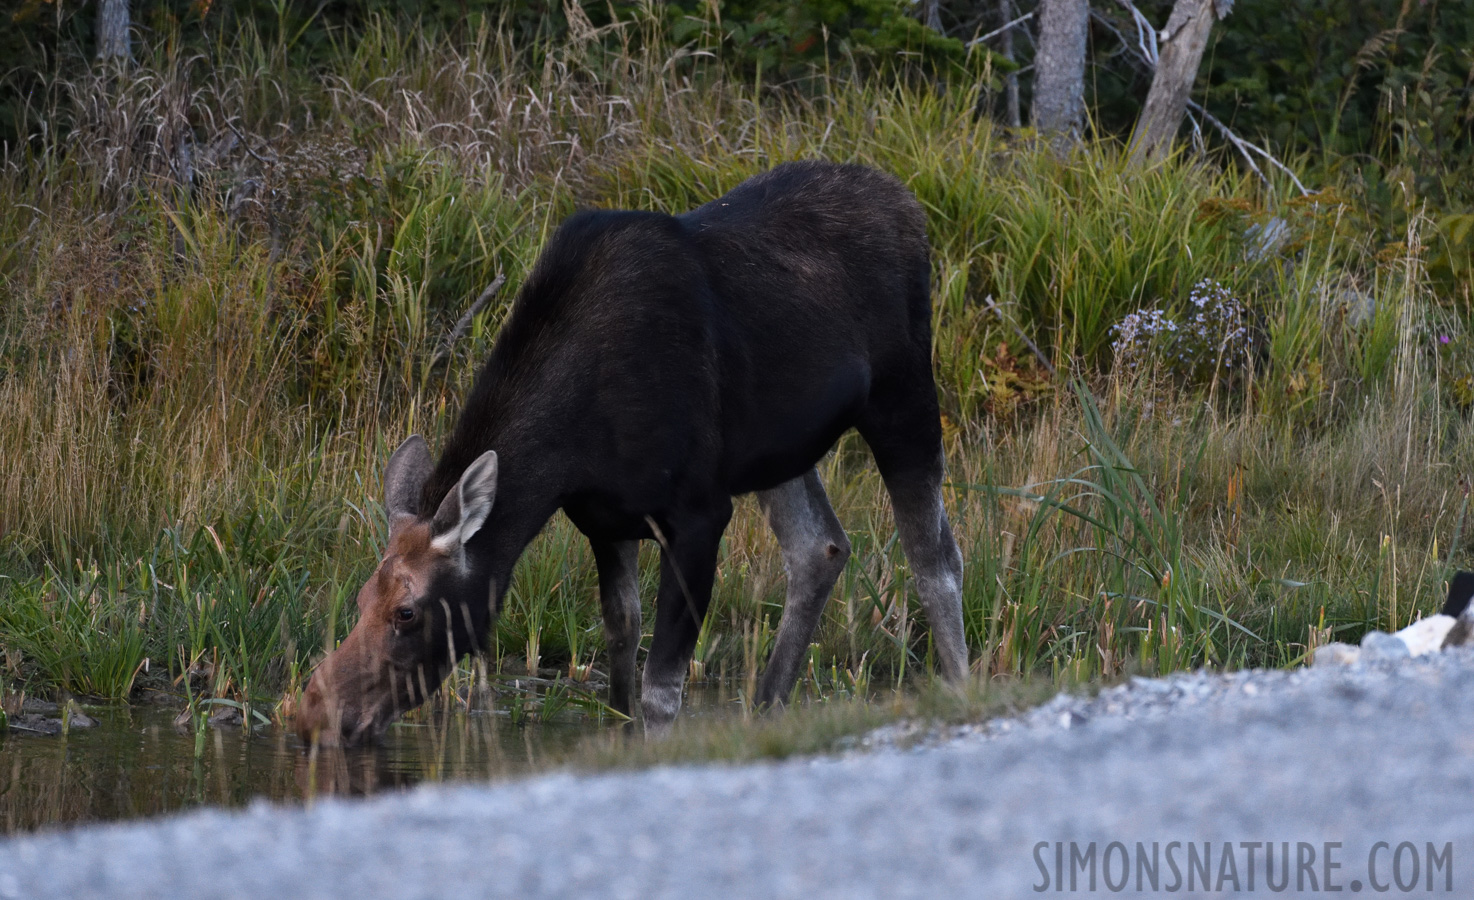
(1376, 758)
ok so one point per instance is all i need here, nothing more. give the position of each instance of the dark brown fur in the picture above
(653, 367)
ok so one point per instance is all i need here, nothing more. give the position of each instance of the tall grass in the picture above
(227, 281)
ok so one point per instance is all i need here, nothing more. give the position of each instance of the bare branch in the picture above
(230, 123)
(1039, 354)
(1246, 150)
(997, 31)
(464, 322)
(1244, 147)
(1146, 34)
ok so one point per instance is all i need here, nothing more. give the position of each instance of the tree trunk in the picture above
(931, 14)
(112, 30)
(1059, 70)
(1010, 81)
(1182, 45)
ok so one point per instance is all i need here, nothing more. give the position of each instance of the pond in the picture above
(135, 762)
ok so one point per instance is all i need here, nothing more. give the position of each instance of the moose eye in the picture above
(404, 615)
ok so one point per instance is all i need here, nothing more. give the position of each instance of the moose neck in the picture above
(511, 410)
(492, 553)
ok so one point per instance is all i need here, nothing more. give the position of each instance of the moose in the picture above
(652, 368)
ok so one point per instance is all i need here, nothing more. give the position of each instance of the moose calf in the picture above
(653, 367)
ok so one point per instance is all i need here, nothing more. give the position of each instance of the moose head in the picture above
(422, 608)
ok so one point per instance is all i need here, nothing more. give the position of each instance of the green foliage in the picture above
(1077, 251)
(1347, 76)
(198, 404)
(1456, 368)
(403, 244)
(782, 41)
(1378, 91)
(234, 602)
(83, 630)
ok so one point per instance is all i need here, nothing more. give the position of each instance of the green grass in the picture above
(200, 382)
(822, 727)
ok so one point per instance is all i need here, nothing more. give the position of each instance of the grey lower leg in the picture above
(619, 595)
(815, 550)
(687, 565)
(926, 536)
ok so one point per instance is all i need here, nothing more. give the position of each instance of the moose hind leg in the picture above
(926, 536)
(619, 596)
(815, 549)
(908, 451)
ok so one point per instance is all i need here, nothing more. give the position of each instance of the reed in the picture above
(227, 285)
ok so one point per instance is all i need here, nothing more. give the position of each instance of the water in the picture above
(135, 763)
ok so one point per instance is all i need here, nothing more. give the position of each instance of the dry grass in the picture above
(226, 280)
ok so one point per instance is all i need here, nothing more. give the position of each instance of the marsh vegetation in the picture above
(230, 285)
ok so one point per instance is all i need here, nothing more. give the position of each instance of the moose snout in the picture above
(343, 705)
(313, 717)
(324, 718)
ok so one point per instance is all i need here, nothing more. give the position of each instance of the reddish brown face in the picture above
(411, 627)
(386, 664)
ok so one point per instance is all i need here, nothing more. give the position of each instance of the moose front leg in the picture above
(619, 595)
(688, 561)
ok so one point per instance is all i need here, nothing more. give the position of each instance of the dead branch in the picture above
(997, 31)
(993, 308)
(1139, 55)
(464, 322)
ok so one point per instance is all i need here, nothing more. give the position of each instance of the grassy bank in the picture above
(229, 287)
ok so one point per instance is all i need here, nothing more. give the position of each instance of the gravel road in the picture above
(1354, 776)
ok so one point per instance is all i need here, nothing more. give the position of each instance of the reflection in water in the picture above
(350, 773)
(134, 763)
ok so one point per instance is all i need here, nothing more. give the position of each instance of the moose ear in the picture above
(464, 509)
(405, 475)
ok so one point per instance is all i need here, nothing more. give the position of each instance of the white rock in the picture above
(1426, 635)
(1379, 645)
(1337, 654)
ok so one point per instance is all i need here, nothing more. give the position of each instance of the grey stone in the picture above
(1266, 239)
(1378, 646)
